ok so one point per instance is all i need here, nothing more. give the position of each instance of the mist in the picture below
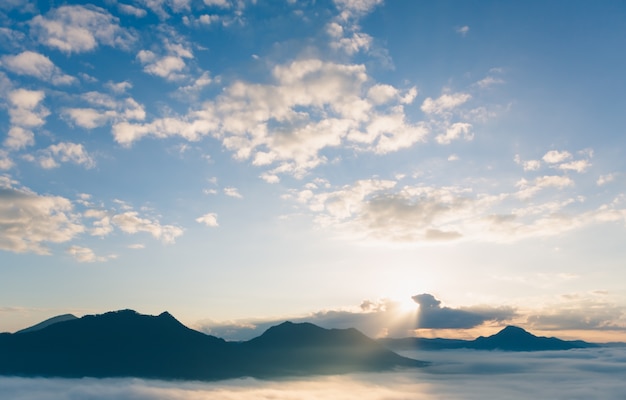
(466, 374)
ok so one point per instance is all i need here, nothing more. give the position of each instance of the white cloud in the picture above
(209, 219)
(84, 254)
(169, 65)
(311, 106)
(489, 81)
(604, 179)
(555, 156)
(29, 220)
(356, 8)
(232, 192)
(445, 103)
(380, 210)
(578, 166)
(217, 3)
(529, 189)
(65, 152)
(130, 222)
(132, 10)
(463, 30)
(119, 87)
(37, 65)
(5, 161)
(456, 131)
(109, 109)
(76, 29)
(25, 109)
(19, 138)
(530, 165)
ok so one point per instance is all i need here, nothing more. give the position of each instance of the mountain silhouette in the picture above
(511, 338)
(296, 349)
(48, 322)
(128, 344)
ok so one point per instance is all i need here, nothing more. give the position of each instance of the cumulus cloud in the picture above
(456, 131)
(169, 65)
(527, 165)
(105, 109)
(355, 8)
(77, 29)
(605, 179)
(37, 65)
(311, 106)
(132, 10)
(131, 222)
(209, 219)
(28, 220)
(381, 210)
(84, 254)
(555, 156)
(18, 138)
(444, 103)
(25, 108)
(73, 153)
(5, 160)
(232, 192)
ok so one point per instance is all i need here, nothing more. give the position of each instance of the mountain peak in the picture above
(514, 330)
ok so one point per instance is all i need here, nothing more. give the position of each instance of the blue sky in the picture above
(347, 162)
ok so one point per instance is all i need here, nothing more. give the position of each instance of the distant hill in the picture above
(127, 344)
(511, 338)
(48, 322)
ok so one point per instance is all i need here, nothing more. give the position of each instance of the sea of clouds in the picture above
(459, 374)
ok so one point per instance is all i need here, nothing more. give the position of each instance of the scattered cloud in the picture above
(456, 131)
(77, 29)
(463, 30)
(232, 192)
(28, 220)
(84, 254)
(444, 103)
(19, 138)
(25, 108)
(605, 179)
(36, 65)
(555, 156)
(209, 219)
(132, 10)
(131, 222)
(73, 153)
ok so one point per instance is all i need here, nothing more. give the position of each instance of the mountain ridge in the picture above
(125, 343)
(510, 338)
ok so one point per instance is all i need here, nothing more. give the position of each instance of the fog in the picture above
(573, 374)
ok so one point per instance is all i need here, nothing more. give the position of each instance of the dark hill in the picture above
(125, 343)
(511, 338)
(296, 349)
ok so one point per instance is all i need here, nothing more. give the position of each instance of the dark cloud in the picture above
(433, 316)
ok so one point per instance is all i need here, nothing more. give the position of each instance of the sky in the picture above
(407, 168)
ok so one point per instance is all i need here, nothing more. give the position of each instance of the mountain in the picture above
(127, 344)
(298, 349)
(48, 322)
(511, 338)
